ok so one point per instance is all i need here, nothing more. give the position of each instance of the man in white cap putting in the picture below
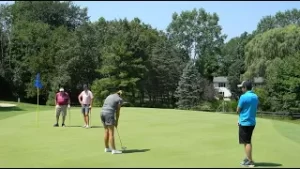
(62, 102)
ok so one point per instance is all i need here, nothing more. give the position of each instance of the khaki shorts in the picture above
(61, 109)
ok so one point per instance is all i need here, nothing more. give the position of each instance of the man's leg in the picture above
(248, 151)
(58, 111)
(248, 145)
(87, 115)
(245, 135)
(64, 114)
(83, 113)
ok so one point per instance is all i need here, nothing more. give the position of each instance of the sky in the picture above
(236, 17)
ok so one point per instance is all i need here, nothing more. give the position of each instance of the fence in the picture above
(292, 114)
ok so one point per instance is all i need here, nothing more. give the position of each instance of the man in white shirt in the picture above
(85, 98)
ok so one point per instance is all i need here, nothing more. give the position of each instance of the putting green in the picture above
(153, 137)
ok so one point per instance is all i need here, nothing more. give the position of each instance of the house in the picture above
(258, 81)
(221, 85)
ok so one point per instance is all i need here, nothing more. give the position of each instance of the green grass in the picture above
(21, 108)
(159, 137)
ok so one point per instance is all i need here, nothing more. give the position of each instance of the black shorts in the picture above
(245, 134)
(107, 119)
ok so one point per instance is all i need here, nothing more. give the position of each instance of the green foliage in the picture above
(262, 94)
(189, 88)
(232, 62)
(123, 64)
(152, 67)
(164, 71)
(279, 20)
(276, 43)
(283, 82)
(206, 106)
(199, 34)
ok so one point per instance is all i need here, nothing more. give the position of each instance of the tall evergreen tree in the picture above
(189, 88)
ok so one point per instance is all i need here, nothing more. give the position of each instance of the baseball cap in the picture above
(245, 84)
(120, 92)
(85, 87)
(61, 89)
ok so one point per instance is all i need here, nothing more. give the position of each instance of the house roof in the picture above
(258, 80)
(220, 79)
(223, 79)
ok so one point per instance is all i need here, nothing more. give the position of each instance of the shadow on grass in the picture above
(267, 164)
(7, 109)
(82, 127)
(96, 127)
(135, 151)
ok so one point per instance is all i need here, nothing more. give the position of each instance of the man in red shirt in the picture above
(62, 102)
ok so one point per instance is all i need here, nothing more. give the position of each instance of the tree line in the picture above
(154, 68)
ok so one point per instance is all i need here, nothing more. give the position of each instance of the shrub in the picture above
(262, 94)
(204, 106)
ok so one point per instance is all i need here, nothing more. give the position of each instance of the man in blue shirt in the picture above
(246, 109)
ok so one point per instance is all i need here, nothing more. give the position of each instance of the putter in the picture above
(69, 116)
(123, 148)
(90, 119)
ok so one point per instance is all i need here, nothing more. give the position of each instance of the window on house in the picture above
(222, 85)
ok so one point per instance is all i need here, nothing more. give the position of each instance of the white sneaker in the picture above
(87, 126)
(84, 126)
(107, 150)
(116, 152)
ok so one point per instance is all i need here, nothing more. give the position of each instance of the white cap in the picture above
(241, 85)
(61, 89)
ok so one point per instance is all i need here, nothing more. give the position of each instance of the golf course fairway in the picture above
(153, 137)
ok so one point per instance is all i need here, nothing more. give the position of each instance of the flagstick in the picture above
(37, 107)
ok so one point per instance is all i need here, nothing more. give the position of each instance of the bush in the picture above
(204, 106)
(262, 94)
(229, 106)
(232, 105)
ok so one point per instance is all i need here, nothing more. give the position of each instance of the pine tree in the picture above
(189, 88)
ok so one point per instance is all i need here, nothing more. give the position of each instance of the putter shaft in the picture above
(119, 138)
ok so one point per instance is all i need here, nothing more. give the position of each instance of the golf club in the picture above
(90, 119)
(123, 148)
(69, 116)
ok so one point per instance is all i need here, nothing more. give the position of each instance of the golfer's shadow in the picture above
(267, 164)
(135, 151)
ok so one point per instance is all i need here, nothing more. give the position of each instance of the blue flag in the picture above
(37, 82)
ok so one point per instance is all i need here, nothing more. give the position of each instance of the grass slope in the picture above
(154, 138)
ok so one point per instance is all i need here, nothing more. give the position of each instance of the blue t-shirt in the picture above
(248, 104)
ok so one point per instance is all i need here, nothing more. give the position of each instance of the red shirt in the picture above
(62, 98)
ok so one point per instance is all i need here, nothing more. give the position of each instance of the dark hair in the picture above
(247, 85)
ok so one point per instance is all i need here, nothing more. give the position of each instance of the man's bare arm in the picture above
(92, 99)
(238, 110)
(55, 99)
(79, 98)
(69, 100)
